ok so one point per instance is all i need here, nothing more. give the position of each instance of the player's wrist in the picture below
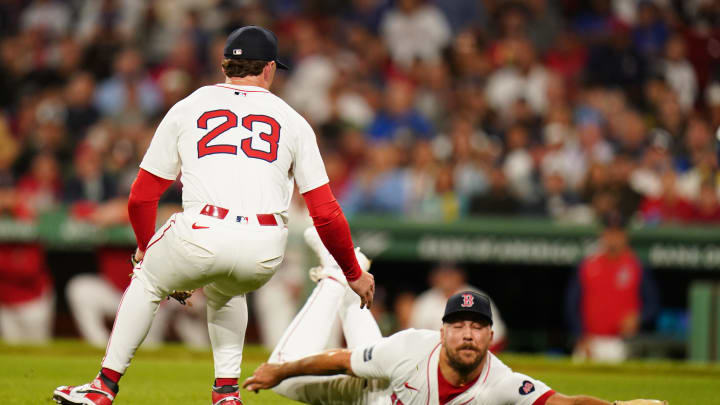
(354, 273)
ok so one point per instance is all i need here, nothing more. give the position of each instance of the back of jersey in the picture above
(237, 147)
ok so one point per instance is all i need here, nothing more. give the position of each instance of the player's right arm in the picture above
(560, 399)
(330, 362)
(377, 360)
(158, 169)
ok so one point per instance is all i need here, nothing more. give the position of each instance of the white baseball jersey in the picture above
(239, 147)
(409, 361)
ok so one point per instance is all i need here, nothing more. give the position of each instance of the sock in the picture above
(111, 375)
(110, 378)
(219, 382)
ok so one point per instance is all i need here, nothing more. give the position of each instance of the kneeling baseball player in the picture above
(413, 366)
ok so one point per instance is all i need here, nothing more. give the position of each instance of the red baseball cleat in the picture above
(227, 395)
(99, 392)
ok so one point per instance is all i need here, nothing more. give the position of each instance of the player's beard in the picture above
(460, 364)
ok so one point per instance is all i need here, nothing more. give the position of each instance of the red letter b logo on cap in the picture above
(468, 300)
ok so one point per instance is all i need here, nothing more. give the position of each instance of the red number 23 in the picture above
(231, 121)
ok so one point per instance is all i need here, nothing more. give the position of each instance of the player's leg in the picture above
(274, 306)
(227, 321)
(311, 328)
(91, 300)
(156, 334)
(309, 333)
(133, 320)
(159, 273)
(359, 325)
(190, 321)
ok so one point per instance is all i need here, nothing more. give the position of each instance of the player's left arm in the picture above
(328, 218)
(330, 362)
(560, 399)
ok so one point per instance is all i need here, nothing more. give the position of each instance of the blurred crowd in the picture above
(430, 109)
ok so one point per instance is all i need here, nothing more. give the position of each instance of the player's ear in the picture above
(269, 71)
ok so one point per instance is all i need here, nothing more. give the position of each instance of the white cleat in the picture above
(328, 266)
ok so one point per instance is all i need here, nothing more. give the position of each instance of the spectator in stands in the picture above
(414, 29)
(471, 151)
(380, 186)
(90, 183)
(445, 280)
(520, 77)
(669, 206)
(519, 166)
(80, 113)
(27, 298)
(707, 207)
(40, 189)
(602, 325)
(129, 92)
(497, 200)
(628, 199)
(48, 16)
(679, 73)
(399, 121)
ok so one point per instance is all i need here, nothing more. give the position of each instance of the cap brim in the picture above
(468, 313)
(281, 65)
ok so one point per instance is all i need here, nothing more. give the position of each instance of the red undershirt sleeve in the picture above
(142, 205)
(544, 397)
(333, 229)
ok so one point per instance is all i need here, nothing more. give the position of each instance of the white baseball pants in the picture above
(190, 251)
(93, 299)
(310, 332)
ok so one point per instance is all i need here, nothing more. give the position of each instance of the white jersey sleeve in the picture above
(519, 389)
(309, 168)
(381, 358)
(162, 158)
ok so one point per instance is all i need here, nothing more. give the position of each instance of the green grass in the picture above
(176, 375)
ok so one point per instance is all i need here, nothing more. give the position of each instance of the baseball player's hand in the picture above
(641, 402)
(365, 288)
(139, 255)
(265, 377)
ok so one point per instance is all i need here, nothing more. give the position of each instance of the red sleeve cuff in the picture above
(544, 397)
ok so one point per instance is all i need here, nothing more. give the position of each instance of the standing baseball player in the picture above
(238, 149)
(452, 366)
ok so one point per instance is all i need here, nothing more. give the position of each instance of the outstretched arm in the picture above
(330, 362)
(560, 399)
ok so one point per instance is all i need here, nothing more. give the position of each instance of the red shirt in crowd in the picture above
(659, 210)
(610, 291)
(23, 275)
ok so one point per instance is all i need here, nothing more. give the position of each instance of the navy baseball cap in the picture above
(468, 302)
(252, 42)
